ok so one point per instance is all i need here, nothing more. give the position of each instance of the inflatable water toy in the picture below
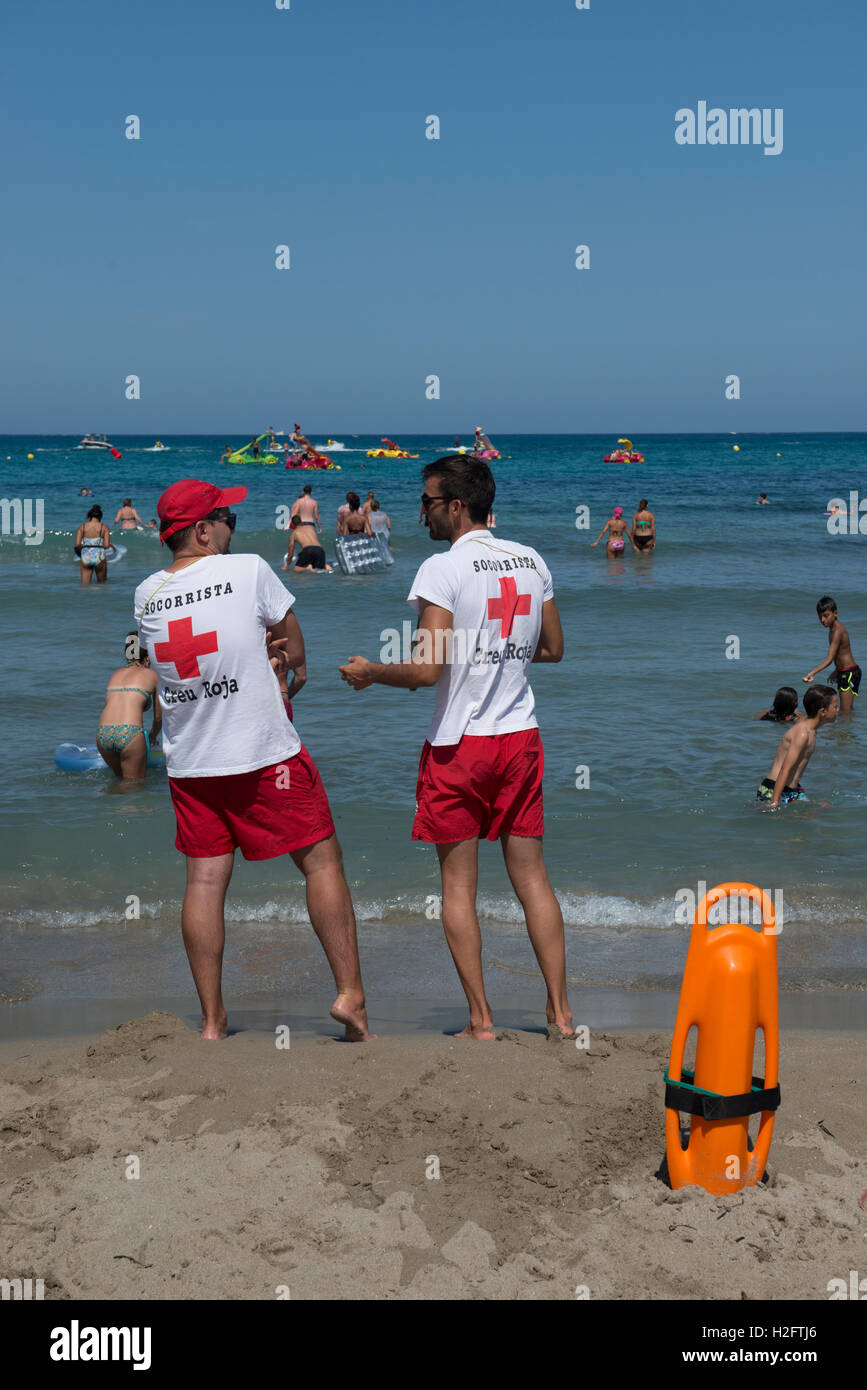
(625, 455)
(243, 457)
(363, 554)
(320, 461)
(115, 553)
(729, 991)
(86, 757)
(487, 454)
(393, 451)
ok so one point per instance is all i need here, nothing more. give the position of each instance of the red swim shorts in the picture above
(263, 813)
(487, 786)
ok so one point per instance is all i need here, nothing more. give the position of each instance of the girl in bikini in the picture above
(616, 528)
(644, 527)
(120, 732)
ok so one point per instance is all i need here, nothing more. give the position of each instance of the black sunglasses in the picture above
(230, 518)
(429, 501)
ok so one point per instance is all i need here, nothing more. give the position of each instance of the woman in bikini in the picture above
(644, 527)
(355, 523)
(120, 732)
(617, 529)
(92, 544)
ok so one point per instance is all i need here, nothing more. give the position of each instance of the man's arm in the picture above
(425, 667)
(550, 644)
(316, 514)
(285, 641)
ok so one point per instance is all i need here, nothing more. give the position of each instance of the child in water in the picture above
(784, 710)
(795, 749)
(847, 675)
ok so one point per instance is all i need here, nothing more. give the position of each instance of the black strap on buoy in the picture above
(710, 1105)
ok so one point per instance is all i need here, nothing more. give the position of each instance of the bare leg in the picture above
(112, 758)
(204, 932)
(526, 868)
(459, 863)
(134, 760)
(85, 573)
(333, 919)
(101, 573)
(847, 700)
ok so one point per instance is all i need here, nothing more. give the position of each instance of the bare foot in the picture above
(347, 1010)
(217, 1030)
(560, 1028)
(483, 1033)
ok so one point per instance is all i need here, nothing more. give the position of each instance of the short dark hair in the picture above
(294, 521)
(465, 479)
(177, 538)
(308, 487)
(818, 697)
(785, 701)
(826, 605)
(95, 514)
(127, 501)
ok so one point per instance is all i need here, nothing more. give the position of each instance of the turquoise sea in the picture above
(646, 699)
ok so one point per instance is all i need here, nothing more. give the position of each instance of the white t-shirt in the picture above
(495, 590)
(204, 630)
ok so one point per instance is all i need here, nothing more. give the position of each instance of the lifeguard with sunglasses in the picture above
(219, 631)
(486, 612)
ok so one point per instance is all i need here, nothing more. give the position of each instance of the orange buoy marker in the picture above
(729, 991)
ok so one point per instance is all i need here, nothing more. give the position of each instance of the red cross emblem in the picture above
(508, 605)
(183, 649)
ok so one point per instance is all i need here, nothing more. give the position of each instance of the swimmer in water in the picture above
(762, 500)
(847, 674)
(311, 555)
(617, 529)
(644, 527)
(128, 516)
(784, 710)
(120, 732)
(783, 782)
(92, 544)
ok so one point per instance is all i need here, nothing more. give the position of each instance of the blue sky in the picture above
(411, 256)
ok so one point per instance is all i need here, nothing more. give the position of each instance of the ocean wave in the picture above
(590, 911)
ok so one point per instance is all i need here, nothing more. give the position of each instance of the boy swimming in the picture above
(847, 676)
(796, 748)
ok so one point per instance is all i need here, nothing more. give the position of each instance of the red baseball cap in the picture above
(191, 500)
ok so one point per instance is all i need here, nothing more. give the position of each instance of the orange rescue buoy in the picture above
(729, 991)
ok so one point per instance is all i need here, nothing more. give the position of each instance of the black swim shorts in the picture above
(848, 679)
(311, 555)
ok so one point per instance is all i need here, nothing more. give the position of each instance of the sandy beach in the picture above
(309, 1171)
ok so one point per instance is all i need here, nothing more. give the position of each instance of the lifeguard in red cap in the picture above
(218, 630)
